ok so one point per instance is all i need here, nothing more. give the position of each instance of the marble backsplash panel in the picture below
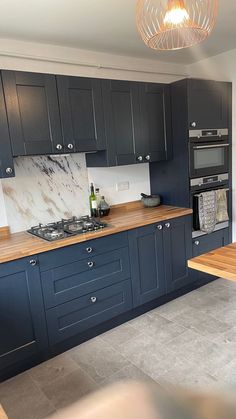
(45, 189)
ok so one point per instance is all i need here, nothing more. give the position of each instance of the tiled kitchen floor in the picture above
(190, 341)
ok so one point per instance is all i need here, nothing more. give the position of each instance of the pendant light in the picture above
(175, 24)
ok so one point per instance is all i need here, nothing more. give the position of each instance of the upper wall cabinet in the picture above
(33, 113)
(208, 104)
(82, 116)
(156, 121)
(6, 160)
(137, 121)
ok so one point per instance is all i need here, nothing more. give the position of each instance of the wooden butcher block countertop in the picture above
(122, 217)
(220, 262)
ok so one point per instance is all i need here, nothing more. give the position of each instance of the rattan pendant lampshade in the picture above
(175, 24)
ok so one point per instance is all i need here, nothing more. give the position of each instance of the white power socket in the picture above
(122, 186)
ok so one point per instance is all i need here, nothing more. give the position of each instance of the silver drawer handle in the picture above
(59, 147)
(93, 299)
(167, 225)
(33, 262)
(90, 264)
(89, 249)
(9, 171)
(160, 227)
(70, 146)
(197, 242)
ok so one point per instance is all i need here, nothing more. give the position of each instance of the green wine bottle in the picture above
(93, 202)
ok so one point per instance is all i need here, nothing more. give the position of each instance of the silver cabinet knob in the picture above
(70, 146)
(89, 249)
(33, 262)
(140, 158)
(59, 147)
(160, 227)
(167, 225)
(148, 157)
(93, 299)
(9, 171)
(193, 124)
(197, 242)
(90, 264)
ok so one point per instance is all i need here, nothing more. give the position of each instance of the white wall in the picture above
(107, 178)
(26, 56)
(222, 67)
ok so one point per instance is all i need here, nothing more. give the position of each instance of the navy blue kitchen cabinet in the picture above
(6, 159)
(85, 285)
(137, 123)
(147, 263)
(33, 113)
(81, 109)
(177, 239)
(158, 258)
(155, 108)
(22, 327)
(209, 104)
(207, 243)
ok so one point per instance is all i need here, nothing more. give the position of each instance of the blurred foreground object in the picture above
(133, 400)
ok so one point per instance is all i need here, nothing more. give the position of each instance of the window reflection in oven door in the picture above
(208, 159)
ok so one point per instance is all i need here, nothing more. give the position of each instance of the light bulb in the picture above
(176, 14)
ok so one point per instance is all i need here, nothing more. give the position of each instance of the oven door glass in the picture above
(208, 159)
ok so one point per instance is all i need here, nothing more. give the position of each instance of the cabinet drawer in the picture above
(76, 316)
(69, 281)
(83, 250)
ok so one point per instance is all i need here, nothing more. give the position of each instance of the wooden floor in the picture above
(220, 262)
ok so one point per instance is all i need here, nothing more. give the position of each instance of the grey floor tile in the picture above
(158, 327)
(120, 335)
(69, 389)
(98, 359)
(171, 309)
(52, 369)
(22, 399)
(129, 372)
(188, 377)
(227, 374)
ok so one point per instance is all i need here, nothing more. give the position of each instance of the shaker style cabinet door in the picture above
(208, 103)
(33, 113)
(147, 263)
(81, 111)
(177, 239)
(6, 160)
(22, 326)
(122, 120)
(155, 108)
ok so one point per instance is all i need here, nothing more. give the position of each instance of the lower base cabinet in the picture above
(206, 243)
(22, 326)
(81, 314)
(58, 295)
(158, 258)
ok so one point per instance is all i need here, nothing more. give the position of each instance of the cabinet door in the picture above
(33, 113)
(147, 264)
(121, 108)
(177, 250)
(6, 160)
(155, 144)
(82, 116)
(22, 327)
(207, 243)
(208, 103)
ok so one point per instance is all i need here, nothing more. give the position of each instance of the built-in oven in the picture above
(204, 184)
(209, 152)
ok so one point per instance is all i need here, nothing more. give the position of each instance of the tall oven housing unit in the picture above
(202, 154)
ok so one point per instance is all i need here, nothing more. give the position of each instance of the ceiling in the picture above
(104, 25)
